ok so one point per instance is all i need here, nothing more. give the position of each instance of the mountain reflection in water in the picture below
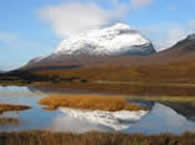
(160, 119)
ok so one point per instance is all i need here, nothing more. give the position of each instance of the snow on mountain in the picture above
(119, 39)
(35, 60)
(116, 40)
(119, 120)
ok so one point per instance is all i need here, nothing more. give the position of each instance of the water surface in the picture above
(160, 119)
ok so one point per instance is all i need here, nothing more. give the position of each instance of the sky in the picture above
(36, 27)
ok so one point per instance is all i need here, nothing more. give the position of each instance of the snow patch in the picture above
(119, 39)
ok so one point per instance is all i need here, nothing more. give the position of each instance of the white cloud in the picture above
(74, 17)
(71, 18)
(140, 3)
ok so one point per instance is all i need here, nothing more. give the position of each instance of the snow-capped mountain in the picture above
(119, 39)
(97, 45)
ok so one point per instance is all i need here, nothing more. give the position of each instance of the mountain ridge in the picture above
(181, 51)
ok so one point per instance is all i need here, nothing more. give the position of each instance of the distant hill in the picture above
(182, 49)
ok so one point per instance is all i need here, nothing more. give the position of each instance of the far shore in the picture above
(11, 107)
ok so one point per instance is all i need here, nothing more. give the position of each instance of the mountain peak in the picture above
(118, 39)
(119, 26)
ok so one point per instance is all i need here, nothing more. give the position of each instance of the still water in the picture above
(159, 119)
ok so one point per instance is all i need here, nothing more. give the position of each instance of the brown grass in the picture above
(91, 102)
(93, 138)
(9, 121)
(8, 107)
(175, 79)
(182, 72)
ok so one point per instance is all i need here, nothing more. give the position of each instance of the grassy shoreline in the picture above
(115, 83)
(93, 138)
(5, 121)
(91, 102)
(170, 99)
(9, 107)
(139, 89)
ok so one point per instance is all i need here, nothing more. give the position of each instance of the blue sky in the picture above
(33, 28)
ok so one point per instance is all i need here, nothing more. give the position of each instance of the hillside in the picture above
(170, 72)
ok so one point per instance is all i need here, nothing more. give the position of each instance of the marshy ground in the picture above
(9, 107)
(4, 121)
(90, 102)
(93, 138)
